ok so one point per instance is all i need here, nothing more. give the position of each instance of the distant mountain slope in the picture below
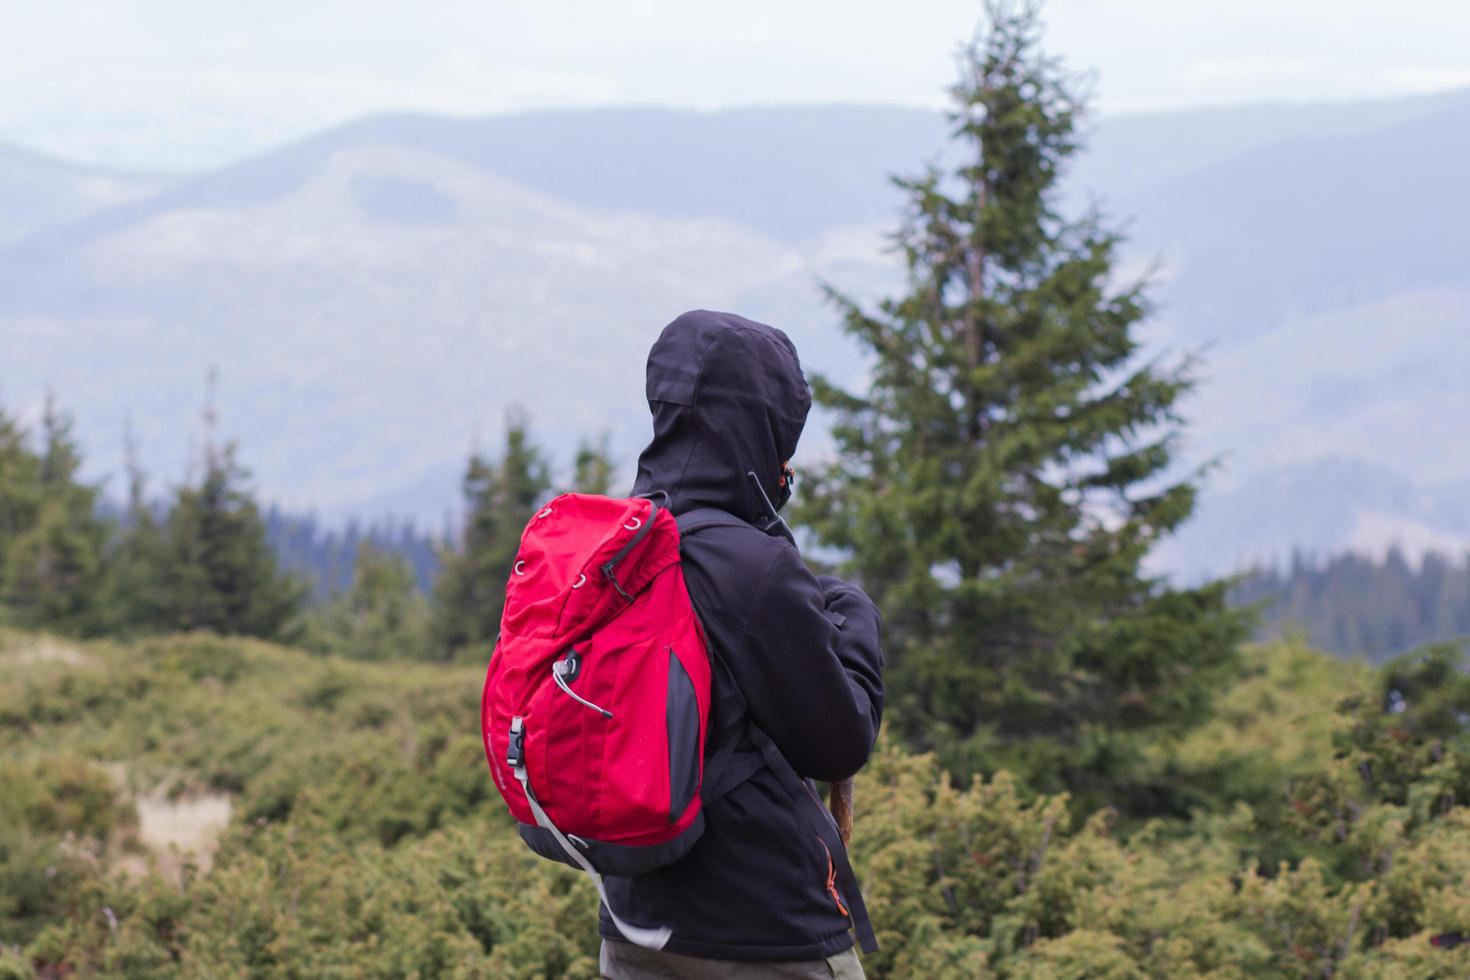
(37, 191)
(790, 173)
(377, 319)
(1317, 508)
(377, 295)
(1312, 223)
(1129, 152)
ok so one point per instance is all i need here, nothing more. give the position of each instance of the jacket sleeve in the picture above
(812, 669)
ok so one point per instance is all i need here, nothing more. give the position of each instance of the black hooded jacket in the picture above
(799, 653)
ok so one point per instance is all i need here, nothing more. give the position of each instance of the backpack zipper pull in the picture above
(562, 670)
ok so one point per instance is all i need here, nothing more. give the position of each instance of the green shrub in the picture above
(1330, 836)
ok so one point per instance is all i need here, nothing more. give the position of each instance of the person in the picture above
(797, 657)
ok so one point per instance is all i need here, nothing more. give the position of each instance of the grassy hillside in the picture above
(362, 838)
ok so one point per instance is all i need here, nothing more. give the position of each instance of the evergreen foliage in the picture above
(52, 542)
(366, 841)
(1357, 606)
(500, 498)
(136, 599)
(1000, 483)
(997, 490)
(592, 469)
(64, 566)
(216, 572)
(381, 616)
(327, 556)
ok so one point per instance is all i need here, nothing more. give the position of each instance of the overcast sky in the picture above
(184, 83)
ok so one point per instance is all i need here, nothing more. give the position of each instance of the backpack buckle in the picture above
(515, 752)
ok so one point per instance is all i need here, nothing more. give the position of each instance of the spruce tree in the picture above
(217, 571)
(1000, 482)
(51, 571)
(592, 470)
(500, 498)
(136, 599)
(381, 616)
(20, 484)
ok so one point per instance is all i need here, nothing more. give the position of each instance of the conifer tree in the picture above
(20, 484)
(136, 599)
(216, 569)
(51, 571)
(1002, 479)
(592, 471)
(500, 498)
(381, 616)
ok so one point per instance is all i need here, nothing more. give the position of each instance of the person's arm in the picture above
(812, 668)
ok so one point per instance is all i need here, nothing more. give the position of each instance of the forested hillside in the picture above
(1358, 606)
(324, 556)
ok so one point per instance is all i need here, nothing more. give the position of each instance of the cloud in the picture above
(159, 83)
(115, 114)
(1256, 68)
(1414, 79)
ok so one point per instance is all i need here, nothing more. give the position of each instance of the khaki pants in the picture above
(624, 961)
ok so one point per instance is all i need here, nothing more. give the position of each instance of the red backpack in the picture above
(596, 702)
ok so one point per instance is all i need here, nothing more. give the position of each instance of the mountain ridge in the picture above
(39, 190)
(377, 295)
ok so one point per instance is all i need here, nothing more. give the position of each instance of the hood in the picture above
(728, 398)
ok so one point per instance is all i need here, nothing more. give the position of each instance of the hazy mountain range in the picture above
(377, 295)
(39, 191)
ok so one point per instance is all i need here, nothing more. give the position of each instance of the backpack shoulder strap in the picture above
(728, 773)
(732, 762)
(703, 517)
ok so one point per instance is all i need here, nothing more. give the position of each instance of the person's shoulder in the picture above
(734, 570)
(732, 547)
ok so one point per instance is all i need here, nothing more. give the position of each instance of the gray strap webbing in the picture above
(647, 938)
